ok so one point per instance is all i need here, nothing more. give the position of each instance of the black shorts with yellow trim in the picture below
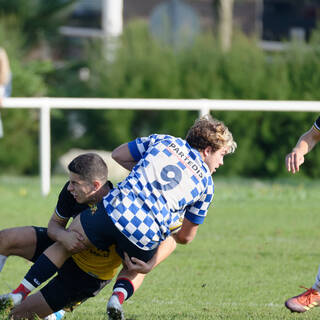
(43, 242)
(71, 286)
(102, 232)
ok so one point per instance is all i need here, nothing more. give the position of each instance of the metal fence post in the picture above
(204, 111)
(45, 147)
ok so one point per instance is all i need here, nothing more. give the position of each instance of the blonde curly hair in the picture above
(210, 132)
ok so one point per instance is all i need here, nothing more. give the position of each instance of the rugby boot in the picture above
(9, 300)
(304, 301)
(114, 309)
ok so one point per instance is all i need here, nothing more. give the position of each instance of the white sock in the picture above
(2, 261)
(123, 290)
(27, 285)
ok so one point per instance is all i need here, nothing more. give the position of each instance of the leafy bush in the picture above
(144, 68)
(141, 67)
(19, 147)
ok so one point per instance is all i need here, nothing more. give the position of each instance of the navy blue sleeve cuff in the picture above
(134, 150)
(194, 218)
(317, 124)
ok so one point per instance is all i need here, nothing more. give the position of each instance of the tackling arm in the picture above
(57, 227)
(135, 265)
(57, 231)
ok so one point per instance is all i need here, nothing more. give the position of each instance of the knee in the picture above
(14, 239)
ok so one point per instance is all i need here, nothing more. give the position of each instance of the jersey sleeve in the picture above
(65, 205)
(198, 211)
(316, 124)
(139, 146)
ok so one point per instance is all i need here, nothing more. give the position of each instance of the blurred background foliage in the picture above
(145, 68)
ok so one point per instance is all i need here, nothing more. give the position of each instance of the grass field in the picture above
(259, 243)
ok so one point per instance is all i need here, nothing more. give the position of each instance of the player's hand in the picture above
(136, 265)
(73, 241)
(293, 161)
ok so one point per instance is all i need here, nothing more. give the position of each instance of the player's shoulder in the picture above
(160, 136)
(67, 206)
(65, 199)
(64, 191)
(154, 140)
(167, 139)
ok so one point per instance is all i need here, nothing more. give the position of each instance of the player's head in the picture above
(212, 139)
(88, 173)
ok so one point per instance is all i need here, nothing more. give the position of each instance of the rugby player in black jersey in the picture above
(310, 298)
(85, 273)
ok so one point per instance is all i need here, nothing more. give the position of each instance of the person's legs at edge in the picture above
(42, 270)
(307, 299)
(26, 242)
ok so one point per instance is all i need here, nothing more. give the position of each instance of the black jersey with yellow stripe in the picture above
(67, 207)
(101, 264)
(316, 124)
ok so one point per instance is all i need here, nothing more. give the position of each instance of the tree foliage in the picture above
(143, 68)
(19, 147)
(38, 19)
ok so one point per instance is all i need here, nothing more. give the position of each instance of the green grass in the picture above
(258, 244)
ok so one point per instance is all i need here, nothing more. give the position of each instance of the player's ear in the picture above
(97, 185)
(207, 150)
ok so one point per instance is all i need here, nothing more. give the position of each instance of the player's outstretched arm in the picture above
(304, 145)
(4, 67)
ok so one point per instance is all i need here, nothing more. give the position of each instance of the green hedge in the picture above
(144, 68)
(19, 147)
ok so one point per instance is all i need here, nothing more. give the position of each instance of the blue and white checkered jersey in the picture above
(170, 181)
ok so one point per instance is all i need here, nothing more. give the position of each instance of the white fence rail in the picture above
(203, 106)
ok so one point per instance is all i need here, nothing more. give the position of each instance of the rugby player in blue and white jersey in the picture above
(170, 179)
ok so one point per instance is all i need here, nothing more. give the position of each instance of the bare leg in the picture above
(135, 269)
(129, 279)
(136, 278)
(33, 304)
(46, 265)
(58, 254)
(19, 241)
